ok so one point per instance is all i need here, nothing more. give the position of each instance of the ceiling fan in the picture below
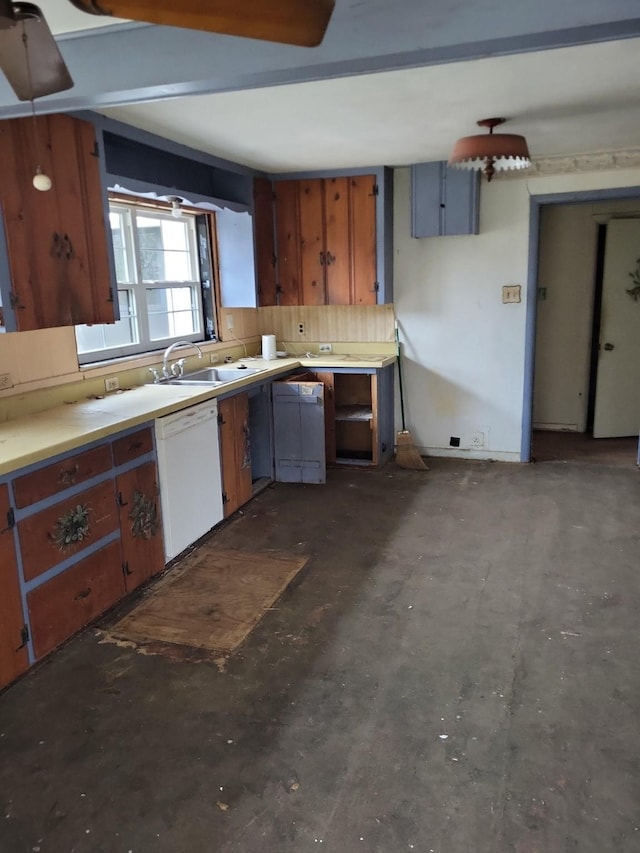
(34, 67)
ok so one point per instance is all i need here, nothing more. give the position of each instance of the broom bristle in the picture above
(407, 455)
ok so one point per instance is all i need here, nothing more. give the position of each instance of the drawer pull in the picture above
(68, 477)
(136, 445)
(121, 500)
(85, 593)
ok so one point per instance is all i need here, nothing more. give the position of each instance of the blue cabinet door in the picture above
(298, 419)
(444, 200)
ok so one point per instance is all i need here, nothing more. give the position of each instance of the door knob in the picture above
(608, 347)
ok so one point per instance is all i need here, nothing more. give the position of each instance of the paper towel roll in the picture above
(269, 346)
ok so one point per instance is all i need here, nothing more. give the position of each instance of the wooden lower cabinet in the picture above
(63, 605)
(13, 652)
(140, 524)
(359, 428)
(84, 518)
(235, 452)
(82, 545)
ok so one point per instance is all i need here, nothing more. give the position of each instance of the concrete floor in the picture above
(455, 671)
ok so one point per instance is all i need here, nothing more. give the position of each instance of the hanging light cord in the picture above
(40, 181)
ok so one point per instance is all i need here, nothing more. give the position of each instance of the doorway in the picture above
(567, 281)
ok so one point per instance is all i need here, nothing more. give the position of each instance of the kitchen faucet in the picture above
(166, 372)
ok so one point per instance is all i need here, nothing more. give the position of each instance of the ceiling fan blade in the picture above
(29, 55)
(300, 22)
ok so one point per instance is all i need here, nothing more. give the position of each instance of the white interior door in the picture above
(617, 408)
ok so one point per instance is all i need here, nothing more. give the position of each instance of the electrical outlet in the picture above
(230, 322)
(325, 348)
(5, 381)
(301, 328)
(111, 383)
(214, 358)
(477, 440)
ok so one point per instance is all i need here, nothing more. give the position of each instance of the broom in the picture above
(407, 455)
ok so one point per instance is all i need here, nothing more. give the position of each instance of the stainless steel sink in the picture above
(210, 383)
(219, 374)
(211, 376)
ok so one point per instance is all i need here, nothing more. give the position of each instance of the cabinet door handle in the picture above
(330, 259)
(68, 247)
(121, 500)
(68, 477)
(323, 259)
(24, 636)
(56, 246)
(85, 593)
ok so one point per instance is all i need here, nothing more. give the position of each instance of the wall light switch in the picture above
(511, 293)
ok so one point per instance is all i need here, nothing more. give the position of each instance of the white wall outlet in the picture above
(5, 381)
(511, 293)
(214, 358)
(111, 383)
(230, 322)
(477, 440)
(325, 348)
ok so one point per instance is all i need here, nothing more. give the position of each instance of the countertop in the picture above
(24, 441)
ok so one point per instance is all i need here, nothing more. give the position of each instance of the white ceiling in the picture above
(568, 100)
(565, 101)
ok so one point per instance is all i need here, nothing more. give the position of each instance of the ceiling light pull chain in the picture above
(41, 181)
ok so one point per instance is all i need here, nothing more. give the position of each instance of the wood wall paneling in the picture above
(348, 323)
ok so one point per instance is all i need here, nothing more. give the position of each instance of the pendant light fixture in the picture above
(41, 181)
(491, 152)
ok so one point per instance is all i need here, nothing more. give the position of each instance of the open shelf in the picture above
(354, 413)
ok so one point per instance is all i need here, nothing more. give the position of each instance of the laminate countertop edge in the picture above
(35, 438)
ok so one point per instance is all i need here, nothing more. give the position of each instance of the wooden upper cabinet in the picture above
(287, 218)
(264, 241)
(312, 243)
(362, 228)
(338, 241)
(326, 241)
(57, 242)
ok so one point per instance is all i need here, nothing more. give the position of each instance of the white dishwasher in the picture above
(189, 472)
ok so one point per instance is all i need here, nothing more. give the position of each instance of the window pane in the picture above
(173, 312)
(164, 248)
(103, 336)
(119, 231)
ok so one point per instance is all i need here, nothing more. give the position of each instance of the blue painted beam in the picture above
(132, 62)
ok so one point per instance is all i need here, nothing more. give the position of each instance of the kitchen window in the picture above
(159, 284)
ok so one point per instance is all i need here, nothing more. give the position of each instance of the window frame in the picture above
(139, 288)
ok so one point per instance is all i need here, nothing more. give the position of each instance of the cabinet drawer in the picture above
(131, 446)
(55, 478)
(41, 533)
(66, 603)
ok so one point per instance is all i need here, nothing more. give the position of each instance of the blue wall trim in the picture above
(536, 204)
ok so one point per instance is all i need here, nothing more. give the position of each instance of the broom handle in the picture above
(399, 355)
